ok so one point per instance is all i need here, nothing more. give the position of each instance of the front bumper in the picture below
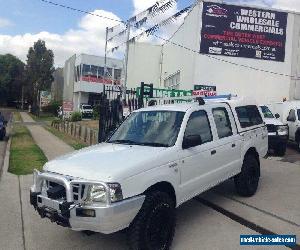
(275, 140)
(106, 218)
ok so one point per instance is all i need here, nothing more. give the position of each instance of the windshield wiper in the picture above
(123, 142)
(153, 144)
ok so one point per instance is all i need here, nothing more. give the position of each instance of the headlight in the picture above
(282, 130)
(97, 193)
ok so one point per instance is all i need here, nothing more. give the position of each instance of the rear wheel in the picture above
(154, 226)
(246, 182)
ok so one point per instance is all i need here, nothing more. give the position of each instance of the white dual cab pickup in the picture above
(159, 158)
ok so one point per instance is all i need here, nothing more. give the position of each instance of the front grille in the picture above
(271, 128)
(55, 191)
(78, 191)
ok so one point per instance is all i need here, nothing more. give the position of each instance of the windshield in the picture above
(149, 128)
(267, 112)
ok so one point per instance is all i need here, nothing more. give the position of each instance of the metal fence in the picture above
(113, 108)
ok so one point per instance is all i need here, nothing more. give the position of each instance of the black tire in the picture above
(298, 145)
(280, 149)
(154, 226)
(246, 182)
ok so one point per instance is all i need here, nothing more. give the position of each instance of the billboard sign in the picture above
(236, 31)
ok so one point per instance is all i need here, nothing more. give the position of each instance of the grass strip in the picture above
(75, 143)
(25, 155)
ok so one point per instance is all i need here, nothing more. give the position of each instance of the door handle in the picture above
(233, 145)
(213, 152)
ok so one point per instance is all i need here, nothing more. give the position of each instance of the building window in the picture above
(94, 71)
(172, 81)
(86, 70)
(117, 74)
(100, 72)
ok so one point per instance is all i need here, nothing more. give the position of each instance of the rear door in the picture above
(228, 145)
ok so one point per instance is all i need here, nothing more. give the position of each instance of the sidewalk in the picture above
(49, 143)
(15, 210)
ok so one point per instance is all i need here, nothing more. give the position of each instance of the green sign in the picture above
(161, 93)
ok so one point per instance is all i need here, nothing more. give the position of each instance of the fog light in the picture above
(81, 212)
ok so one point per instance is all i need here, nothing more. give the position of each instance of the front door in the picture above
(197, 162)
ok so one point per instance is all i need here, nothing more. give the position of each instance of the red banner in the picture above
(99, 80)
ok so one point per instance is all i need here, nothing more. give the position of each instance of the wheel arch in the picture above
(163, 186)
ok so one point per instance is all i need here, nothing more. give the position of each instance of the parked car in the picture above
(159, 158)
(290, 114)
(278, 132)
(86, 111)
(2, 129)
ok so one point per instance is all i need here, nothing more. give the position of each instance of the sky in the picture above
(66, 32)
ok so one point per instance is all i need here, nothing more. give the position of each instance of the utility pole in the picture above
(126, 60)
(105, 53)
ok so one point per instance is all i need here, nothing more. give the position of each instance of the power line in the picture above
(176, 44)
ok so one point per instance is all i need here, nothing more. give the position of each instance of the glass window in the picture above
(267, 112)
(117, 74)
(108, 72)
(198, 124)
(94, 71)
(292, 116)
(100, 72)
(222, 122)
(149, 128)
(86, 70)
(249, 116)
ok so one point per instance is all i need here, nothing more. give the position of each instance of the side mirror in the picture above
(277, 116)
(191, 141)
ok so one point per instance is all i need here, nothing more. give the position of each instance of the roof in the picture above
(235, 102)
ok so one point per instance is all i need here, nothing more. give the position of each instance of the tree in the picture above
(11, 79)
(39, 71)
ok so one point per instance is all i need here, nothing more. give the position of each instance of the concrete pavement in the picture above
(11, 232)
(50, 144)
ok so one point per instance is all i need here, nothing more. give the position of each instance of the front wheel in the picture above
(246, 182)
(154, 226)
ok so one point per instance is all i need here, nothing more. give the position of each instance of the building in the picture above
(57, 85)
(244, 50)
(84, 79)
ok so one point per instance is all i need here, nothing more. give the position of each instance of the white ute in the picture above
(159, 158)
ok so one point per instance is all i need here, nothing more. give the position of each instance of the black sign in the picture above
(231, 30)
(205, 87)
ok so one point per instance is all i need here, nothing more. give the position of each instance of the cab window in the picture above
(198, 124)
(249, 116)
(222, 122)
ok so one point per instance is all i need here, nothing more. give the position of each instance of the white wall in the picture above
(143, 64)
(200, 69)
